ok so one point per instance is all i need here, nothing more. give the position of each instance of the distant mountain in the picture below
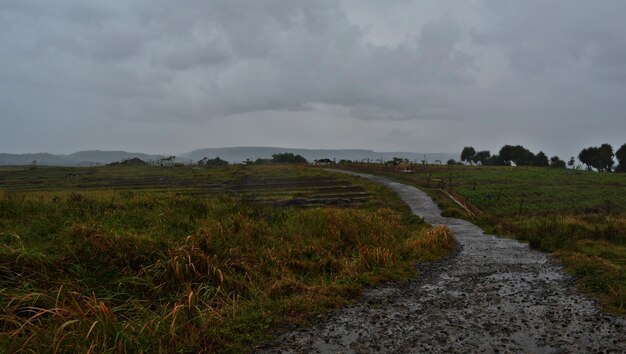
(103, 157)
(239, 154)
(82, 158)
(232, 154)
(43, 158)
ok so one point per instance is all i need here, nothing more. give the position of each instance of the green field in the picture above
(187, 259)
(580, 216)
(140, 258)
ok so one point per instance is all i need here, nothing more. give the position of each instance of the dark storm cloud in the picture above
(475, 72)
(228, 57)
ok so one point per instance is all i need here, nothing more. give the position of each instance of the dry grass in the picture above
(160, 272)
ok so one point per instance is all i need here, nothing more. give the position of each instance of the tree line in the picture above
(600, 158)
(278, 158)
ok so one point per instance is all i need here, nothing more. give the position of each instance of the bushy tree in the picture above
(506, 154)
(467, 154)
(451, 162)
(216, 162)
(586, 156)
(288, 157)
(541, 160)
(494, 160)
(556, 162)
(600, 158)
(212, 162)
(620, 154)
(605, 158)
(481, 157)
(517, 154)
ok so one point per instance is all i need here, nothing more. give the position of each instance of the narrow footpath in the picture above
(494, 295)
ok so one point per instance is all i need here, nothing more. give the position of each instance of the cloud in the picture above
(512, 67)
(228, 57)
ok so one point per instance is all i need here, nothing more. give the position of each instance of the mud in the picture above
(494, 295)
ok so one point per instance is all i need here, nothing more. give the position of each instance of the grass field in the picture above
(580, 216)
(181, 259)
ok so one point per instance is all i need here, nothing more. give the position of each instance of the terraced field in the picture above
(259, 185)
(187, 259)
(303, 192)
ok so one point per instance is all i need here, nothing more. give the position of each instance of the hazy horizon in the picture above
(224, 147)
(153, 76)
(232, 154)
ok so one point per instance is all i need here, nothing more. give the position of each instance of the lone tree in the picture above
(586, 156)
(467, 154)
(571, 162)
(620, 154)
(600, 158)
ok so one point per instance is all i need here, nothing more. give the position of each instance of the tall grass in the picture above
(144, 272)
(593, 247)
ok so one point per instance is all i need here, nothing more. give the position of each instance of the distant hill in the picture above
(232, 155)
(81, 158)
(239, 154)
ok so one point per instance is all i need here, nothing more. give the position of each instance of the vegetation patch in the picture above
(145, 270)
(580, 216)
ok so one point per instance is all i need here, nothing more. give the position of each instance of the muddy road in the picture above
(493, 295)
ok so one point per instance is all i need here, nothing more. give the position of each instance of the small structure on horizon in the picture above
(324, 162)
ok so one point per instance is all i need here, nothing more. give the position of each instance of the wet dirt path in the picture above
(493, 295)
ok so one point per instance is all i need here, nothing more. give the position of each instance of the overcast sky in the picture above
(162, 76)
